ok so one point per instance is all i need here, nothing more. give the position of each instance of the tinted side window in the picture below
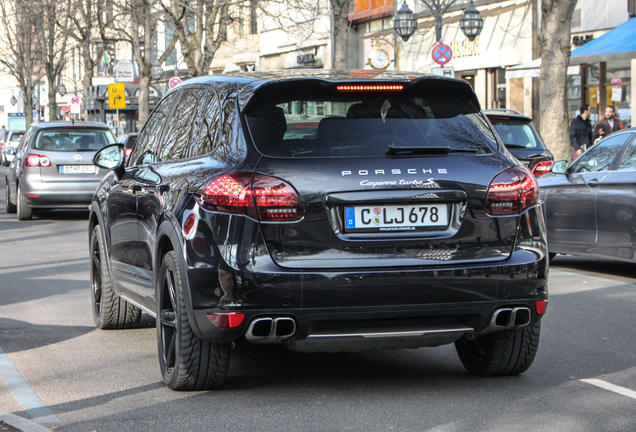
(151, 133)
(600, 157)
(629, 160)
(180, 125)
(26, 139)
(206, 127)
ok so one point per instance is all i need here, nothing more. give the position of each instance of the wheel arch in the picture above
(169, 238)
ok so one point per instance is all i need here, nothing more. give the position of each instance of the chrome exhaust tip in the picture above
(510, 318)
(270, 330)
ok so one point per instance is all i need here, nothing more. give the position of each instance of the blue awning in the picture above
(617, 44)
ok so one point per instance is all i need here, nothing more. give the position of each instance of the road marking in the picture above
(592, 277)
(24, 393)
(611, 387)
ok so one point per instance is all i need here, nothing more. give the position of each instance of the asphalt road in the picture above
(91, 380)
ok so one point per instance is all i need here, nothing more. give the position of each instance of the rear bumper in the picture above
(39, 194)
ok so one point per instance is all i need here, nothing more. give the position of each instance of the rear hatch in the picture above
(385, 178)
(521, 138)
(65, 154)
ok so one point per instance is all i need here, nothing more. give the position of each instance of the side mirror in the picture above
(111, 157)
(559, 167)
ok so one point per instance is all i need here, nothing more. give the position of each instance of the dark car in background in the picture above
(589, 205)
(53, 167)
(323, 210)
(521, 138)
(128, 140)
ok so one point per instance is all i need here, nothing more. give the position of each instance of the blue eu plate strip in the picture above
(350, 217)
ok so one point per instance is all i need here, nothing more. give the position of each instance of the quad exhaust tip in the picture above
(510, 318)
(270, 330)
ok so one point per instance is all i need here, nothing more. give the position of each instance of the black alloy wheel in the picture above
(187, 362)
(109, 310)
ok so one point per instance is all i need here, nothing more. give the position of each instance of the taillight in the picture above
(511, 192)
(1, 146)
(371, 87)
(264, 198)
(226, 320)
(541, 168)
(128, 151)
(34, 160)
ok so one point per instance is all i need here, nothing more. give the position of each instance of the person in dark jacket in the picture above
(581, 132)
(606, 125)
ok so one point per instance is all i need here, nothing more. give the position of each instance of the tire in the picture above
(551, 256)
(509, 352)
(24, 211)
(187, 362)
(109, 310)
(10, 207)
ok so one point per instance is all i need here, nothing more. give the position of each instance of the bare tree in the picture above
(340, 22)
(556, 21)
(138, 25)
(21, 52)
(55, 18)
(201, 26)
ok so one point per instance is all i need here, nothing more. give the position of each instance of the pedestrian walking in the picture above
(581, 132)
(606, 125)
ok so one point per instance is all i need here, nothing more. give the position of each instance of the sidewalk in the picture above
(20, 424)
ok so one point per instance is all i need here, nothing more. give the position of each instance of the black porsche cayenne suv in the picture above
(327, 211)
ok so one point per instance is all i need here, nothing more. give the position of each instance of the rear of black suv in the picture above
(362, 214)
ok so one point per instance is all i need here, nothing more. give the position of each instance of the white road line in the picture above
(611, 387)
(25, 395)
(592, 277)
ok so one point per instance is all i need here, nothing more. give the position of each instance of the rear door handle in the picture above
(593, 183)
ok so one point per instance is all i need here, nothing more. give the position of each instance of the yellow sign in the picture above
(117, 96)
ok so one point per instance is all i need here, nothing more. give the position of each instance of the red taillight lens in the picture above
(189, 223)
(541, 168)
(511, 192)
(266, 199)
(1, 146)
(226, 320)
(540, 306)
(34, 160)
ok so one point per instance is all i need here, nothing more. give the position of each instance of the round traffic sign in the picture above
(616, 82)
(441, 53)
(75, 100)
(174, 82)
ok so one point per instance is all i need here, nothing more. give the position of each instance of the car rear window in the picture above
(364, 124)
(516, 134)
(15, 136)
(73, 140)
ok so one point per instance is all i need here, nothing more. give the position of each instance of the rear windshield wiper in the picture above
(405, 151)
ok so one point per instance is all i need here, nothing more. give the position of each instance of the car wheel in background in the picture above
(24, 211)
(109, 310)
(187, 362)
(10, 207)
(509, 352)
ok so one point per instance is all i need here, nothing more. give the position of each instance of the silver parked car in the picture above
(53, 167)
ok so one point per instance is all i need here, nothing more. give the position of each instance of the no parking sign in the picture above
(441, 53)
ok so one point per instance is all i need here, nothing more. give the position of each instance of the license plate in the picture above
(396, 217)
(77, 169)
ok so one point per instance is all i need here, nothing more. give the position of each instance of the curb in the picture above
(21, 423)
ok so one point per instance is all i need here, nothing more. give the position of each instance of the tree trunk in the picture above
(556, 20)
(51, 97)
(144, 98)
(340, 40)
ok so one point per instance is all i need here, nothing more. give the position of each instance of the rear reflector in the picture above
(511, 192)
(377, 87)
(189, 223)
(128, 151)
(541, 306)
(226, 320)
(262, 197)
(541, 168)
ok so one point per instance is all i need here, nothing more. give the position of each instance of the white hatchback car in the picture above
(11, 142)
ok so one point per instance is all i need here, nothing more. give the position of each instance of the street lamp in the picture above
(405, 22)
(61, 89)
(156, 71)
(471, 22)
(13, 100)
